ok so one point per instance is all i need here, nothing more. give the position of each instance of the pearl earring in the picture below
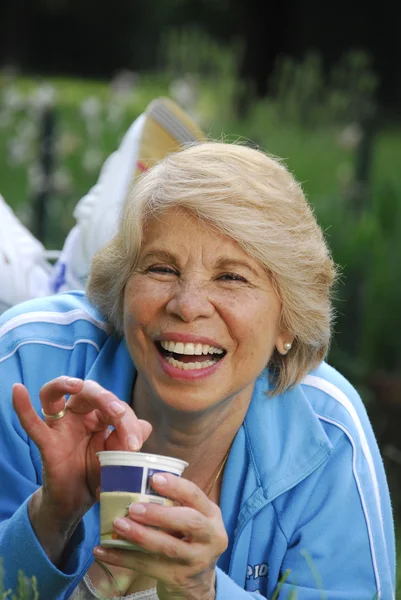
(287, 346)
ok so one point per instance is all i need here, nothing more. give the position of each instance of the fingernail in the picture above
(72, 381)
(137, 509)
(121, 524)
(99, 551)
(133, 442)
(159, 479)
(116, 408)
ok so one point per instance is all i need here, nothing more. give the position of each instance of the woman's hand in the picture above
(182, 554)
(68, 446)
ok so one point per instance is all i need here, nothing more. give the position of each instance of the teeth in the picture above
(192, 366)
(190, 348)
(179, 348)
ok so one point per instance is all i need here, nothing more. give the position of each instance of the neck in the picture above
(200, 438)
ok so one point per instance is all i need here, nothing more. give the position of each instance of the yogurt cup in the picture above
(125, 479)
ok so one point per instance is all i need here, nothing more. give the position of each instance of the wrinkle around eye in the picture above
(233, 277)
(161, 270)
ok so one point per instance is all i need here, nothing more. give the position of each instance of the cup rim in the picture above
(151, 460)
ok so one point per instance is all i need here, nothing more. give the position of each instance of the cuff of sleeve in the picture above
(22, 551)
(227, 589)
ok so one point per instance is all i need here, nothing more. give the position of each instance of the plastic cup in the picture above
(125, 479)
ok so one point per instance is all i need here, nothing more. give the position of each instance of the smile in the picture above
(187, 356)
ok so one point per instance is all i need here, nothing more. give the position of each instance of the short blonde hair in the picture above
(253, 199)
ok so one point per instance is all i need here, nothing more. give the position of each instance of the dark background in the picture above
(92, 38)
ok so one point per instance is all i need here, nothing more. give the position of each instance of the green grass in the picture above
(314, 155)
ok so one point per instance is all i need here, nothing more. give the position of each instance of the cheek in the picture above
(137, 302)
(254, 326)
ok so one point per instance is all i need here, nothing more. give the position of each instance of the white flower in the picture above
(91, 108)
(62, 181)
(351, 136)
(92, 159)
(18, 152)
(115, 114)
(26, 130)
(124, 83)
(183, 90)
(13, 99)
(44, 96)
(36, 178)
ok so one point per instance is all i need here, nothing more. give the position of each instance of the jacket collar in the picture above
(284, 438)
(281, 437)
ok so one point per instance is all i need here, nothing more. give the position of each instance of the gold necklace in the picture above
(221, 467)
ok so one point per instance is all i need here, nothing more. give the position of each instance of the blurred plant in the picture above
(194, 60)
(27, 588)
(305, 95)
(123, 88)
(79, 144)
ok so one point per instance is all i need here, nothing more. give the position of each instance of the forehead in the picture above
(175, 227)
(178, 234)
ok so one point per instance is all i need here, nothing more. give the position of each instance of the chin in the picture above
(187, 401)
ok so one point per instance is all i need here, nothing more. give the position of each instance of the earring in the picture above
(287, 346)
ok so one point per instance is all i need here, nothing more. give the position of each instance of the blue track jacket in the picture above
(304, 488)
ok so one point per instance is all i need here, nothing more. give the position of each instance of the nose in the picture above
(189, 302)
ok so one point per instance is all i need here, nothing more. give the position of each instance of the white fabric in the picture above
(24, 270)
(87, 591)
(98, 212)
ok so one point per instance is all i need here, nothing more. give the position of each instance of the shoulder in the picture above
(337, 404)
(58, 319)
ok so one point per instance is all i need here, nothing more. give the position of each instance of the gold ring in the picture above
(57, 416)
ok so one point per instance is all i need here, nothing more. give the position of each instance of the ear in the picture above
(284, 342)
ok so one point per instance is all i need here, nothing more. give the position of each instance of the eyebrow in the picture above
(162, 255)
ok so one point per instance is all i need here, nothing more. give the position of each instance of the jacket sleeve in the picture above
(20, 476)
(339, 527)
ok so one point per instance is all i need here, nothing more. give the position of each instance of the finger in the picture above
(156, 541)
(52, 394)
(146, 429)
(190, 523)
(33, 425)
(185, 492)
(128, 430)
(158, 567)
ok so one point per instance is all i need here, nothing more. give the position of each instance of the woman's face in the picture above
(201, 317)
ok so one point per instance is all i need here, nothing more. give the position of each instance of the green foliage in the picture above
(27, 588)
(306, 95)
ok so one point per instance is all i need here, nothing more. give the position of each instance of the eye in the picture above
(232, 277)
(162, 269)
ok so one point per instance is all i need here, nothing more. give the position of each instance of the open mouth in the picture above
(190, 356)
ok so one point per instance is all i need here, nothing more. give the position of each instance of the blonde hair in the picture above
(253, 199)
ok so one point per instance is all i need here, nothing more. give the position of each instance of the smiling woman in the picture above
(202, 337)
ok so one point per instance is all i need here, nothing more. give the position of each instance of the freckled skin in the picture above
(192, 280)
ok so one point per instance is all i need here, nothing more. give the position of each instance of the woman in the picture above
(207, 342)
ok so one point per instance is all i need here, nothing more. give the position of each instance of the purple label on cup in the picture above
(149, 489)
(121, 478)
